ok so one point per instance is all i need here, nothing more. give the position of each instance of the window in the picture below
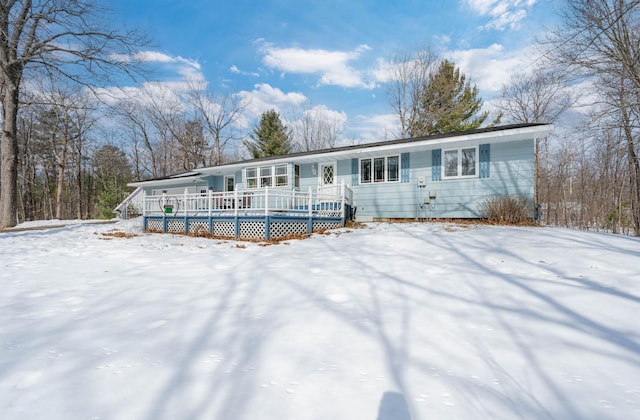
(251, 177)
(451, 163)
(229, 183)
(382, 169)
(270, 176)
(378, 170)
(296, 179)
(282, 180)
(468, 162)
(265, 176)
(365, 171)
(460, 163)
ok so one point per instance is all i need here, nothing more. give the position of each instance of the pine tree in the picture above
(448, 103)
(270, 137)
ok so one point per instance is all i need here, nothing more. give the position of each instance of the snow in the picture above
(388, 322)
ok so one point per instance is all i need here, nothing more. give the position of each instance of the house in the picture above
(439, 176)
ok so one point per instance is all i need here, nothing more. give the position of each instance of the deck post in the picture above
(266, 213)
(235, 213)
(343, 193)
(310, 211)
(144, 204)
(164, 213)
(186, 210)
(210, 209)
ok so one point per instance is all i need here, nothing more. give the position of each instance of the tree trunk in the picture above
(634, 180)
(62, 164)
(9, 157)
(634, 168)
(79, 179)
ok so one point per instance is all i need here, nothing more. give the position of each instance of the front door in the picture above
(327, 174)
(327, 188)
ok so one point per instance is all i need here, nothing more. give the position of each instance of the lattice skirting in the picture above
(198, 226)
(248, 229)
(154, 225)
(282, 229)
(325, 225)
(175, 225)
(224, 229)
(252, 230)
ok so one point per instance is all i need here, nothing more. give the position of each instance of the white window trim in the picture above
(386, 170)
(289, 174)
(459, 171)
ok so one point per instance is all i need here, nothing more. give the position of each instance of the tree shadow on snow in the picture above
(393, 406)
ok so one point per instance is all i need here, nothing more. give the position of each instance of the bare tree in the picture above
(540, 96)
(219, 115)
(71, 38)
(65, 118)
(409, 74)
(317, 128)
(137, 129)
(601, 38)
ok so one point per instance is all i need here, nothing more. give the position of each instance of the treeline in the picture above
(65, 170)
(79, 148)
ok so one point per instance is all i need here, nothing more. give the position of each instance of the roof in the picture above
(512, 132)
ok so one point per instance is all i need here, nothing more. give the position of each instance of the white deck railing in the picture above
(328, 201)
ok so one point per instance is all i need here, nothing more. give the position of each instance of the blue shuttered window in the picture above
(354, 171)
(484, 151)
(436, 164)
(404, 165)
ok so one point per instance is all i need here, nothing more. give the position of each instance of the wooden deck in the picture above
(260, 214)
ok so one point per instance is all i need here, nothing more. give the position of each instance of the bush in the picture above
(508, 210)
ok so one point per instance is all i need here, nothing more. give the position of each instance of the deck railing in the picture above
(332, 201)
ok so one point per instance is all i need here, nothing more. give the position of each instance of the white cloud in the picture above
(265, 97)
(236, 70)
(321, 112)
(178, 76)
(371, 128)
(332, 66)
(489, 68)
(159, 57)
(502, 13)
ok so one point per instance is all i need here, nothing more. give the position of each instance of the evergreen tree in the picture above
(270, 138)
(112, 173)
(448, 103)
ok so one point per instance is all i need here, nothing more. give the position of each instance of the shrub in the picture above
(507, 210)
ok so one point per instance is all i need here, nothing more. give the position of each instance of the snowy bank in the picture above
(390, 322)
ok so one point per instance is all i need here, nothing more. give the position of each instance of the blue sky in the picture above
(295, 54)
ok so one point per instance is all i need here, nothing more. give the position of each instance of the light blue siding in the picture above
(393, 199)
(504, 168)
(510, 172)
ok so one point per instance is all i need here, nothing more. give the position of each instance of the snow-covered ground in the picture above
(390, 322)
